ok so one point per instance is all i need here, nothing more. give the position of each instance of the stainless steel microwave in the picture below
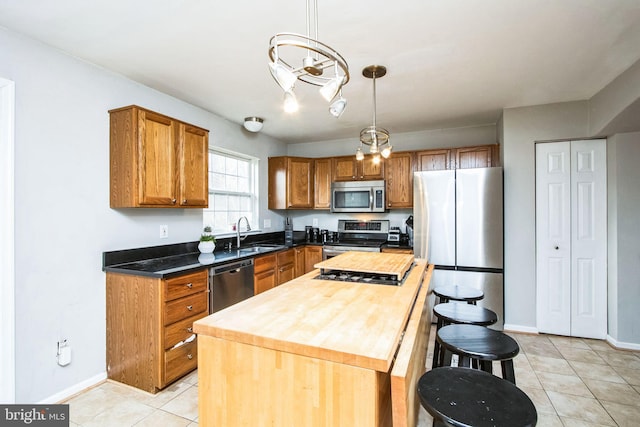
(358, 196)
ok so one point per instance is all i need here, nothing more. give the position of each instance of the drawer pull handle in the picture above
(189, 356)
(189, 285)
(189, 329)
(189, 307)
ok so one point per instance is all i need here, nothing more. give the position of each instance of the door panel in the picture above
(589, 242)
(553, 227)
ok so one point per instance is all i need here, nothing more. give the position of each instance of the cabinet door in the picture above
(399, 180)
(322, 184)
(345, 168)
(299, 263)
(194, 167)
(433, 160)
(264, 281)
(286, 273)
(300, 183)
(157, 151)
(369, 169)
(474, 157)
(312, 256)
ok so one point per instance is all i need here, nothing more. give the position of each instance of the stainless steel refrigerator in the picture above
(458, 227)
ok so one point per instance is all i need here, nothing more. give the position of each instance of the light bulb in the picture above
(386, 151)
(359, 154)
(376, 159)
(290, 102)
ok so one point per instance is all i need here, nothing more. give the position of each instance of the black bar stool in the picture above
(464, 397)
(447, 293)
(458, 313)
(482, 344)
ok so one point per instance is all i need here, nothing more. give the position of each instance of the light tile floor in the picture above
(573, 382)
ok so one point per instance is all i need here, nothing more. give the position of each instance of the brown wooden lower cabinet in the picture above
(264, 273)
(313, 255)
(286, 266)
(150, 339)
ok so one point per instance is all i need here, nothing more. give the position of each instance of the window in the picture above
(232, 191)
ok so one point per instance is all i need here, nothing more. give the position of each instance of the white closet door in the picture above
(589, 239)
(571, 238)
(553, 237)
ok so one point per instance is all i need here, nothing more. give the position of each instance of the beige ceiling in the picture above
(450, 63)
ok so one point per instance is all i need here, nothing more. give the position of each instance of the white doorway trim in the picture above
(7, 242)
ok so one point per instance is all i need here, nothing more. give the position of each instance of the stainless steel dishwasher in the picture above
(230, 283)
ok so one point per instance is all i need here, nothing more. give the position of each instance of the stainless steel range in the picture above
(356, 235)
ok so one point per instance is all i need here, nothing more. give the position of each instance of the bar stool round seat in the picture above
(481, 344)
(464, 397)
(459, 313)
(452, 312)
(447, 293)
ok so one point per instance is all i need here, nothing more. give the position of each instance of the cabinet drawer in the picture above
(286, 257)
(185, 307)
(180, 330)
(180, 361)
(263, 263)
(188, 284)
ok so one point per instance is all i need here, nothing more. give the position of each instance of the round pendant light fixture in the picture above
(375, 137)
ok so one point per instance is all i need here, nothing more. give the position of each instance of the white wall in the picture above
(522, 127)
(624, 240)
(63, 222)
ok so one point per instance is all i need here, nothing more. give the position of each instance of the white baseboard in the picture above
(520, 328)
(74, 389)
(622, 345)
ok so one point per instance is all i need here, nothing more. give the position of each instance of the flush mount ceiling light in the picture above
(375, 137)
(318, 58)
(253, 124)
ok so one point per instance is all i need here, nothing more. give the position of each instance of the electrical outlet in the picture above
(267, 223)
(164, 231)
(315, 222)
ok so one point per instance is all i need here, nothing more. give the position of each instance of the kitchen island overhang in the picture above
(312, 352)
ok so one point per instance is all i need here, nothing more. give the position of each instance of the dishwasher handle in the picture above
(233, 267)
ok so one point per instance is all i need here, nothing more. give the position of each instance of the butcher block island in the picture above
(319, 352)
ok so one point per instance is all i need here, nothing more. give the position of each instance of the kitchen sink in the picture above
(258, 248)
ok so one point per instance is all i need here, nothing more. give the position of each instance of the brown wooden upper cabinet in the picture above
(399, 180)
(482, 156)
(347, 168)
(433, 160)
(156, 161)
(322, 183)
(291, 183)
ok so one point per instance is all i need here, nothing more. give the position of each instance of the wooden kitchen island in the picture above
(317, 353)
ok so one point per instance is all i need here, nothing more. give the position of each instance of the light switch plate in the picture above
(164, 231)
(267, 223)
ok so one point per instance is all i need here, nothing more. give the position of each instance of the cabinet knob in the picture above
(189, 356)
(173, 201)
(189, 329)
(557, 247)
(189, 285)
(189, 307)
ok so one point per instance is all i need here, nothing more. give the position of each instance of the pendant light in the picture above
(318, 57)
(375, 137)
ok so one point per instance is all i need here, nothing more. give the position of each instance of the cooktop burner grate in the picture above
(360, 277)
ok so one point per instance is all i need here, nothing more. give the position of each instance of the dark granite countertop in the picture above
(169, 260)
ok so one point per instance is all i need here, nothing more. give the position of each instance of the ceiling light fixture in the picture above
(376, 138)
(319, 57)
(253, 124)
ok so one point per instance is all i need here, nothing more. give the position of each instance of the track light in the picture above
(337, 107)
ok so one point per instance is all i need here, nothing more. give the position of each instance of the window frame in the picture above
(209, 213)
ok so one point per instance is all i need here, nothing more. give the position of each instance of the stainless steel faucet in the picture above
(238, 229)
